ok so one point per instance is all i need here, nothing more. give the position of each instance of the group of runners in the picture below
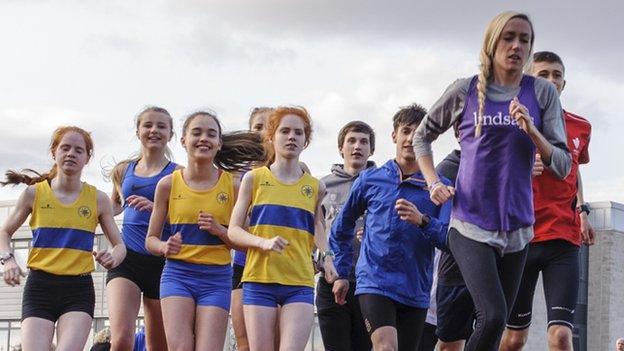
(503, 208)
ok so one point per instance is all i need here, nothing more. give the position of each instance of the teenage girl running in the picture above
(197, 202)
(257, 124)
(503, 117)
(134, 183)
(559, 217)
(64, 213)
(285, 221)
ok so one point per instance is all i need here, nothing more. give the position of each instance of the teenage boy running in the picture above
(402, 225)
(561, 225)
(342, 326)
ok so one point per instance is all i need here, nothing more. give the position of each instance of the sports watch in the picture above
(584, 208)
(424, 220)
(5, 256)
(327, 253)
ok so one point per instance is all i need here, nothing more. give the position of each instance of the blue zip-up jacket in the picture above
(396, 257)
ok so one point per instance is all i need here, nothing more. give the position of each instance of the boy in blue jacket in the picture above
(394, 270)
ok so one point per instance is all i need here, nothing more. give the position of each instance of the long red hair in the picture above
(274, 121)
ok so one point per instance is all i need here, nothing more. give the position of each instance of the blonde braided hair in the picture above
(486, 57)
(485, 71)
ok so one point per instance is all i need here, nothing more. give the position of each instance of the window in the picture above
(15, 334)
(4, 336)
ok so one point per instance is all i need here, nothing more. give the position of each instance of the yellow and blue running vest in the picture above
(63, 235)
(288, 211)
(185, 204)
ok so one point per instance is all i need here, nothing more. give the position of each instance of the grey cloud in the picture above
(573, 28)
(395, 18)
(207, 46)
(272, 52)
(125, 43)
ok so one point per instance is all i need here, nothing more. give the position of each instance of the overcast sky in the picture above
(95, 64)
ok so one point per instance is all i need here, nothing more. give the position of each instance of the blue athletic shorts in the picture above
(207, 285)
(272, 295)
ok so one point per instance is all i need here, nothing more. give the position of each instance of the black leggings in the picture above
(380, 311)
(493, 282)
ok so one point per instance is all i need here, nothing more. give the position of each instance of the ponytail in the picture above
(239, 150)
(28, 176)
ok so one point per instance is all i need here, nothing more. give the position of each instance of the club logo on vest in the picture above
(84, 212)
(266, 183)
(497, 120)
(47, 207)
(576, 142)
(179, 197)
(307, 191)
(222, 198)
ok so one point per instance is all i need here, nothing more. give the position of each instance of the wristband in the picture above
(5, 256)
(584, 208)
(435, 184)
